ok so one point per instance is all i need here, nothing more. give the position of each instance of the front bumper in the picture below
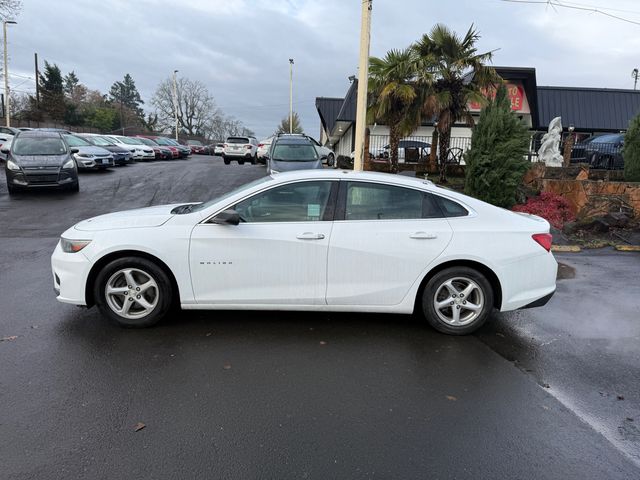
(36, 179)
(70, 272)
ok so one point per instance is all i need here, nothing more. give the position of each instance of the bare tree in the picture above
(9, 9)
(196, 106)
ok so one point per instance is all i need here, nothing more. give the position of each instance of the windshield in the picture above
(74, 141)
(294, 152)
(213, 201)
(96, 140)
(38, 146)
(163, 141)
(129, 141)
(148, 141)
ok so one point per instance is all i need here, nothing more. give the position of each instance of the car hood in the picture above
(114, 149)
(93, 150)
(39, 160)
(138, 218)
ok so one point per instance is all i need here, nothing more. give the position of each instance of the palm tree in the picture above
(395, 96)
(459, 75)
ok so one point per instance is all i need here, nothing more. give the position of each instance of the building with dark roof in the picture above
(588, 110)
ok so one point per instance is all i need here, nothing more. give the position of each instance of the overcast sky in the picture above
(240, 48)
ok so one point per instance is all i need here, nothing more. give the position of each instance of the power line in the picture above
(575, 6)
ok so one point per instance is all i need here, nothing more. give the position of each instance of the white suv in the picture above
(241, 149)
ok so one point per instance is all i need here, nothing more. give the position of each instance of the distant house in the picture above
(588, 110)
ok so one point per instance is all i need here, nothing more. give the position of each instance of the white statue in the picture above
(549, 151)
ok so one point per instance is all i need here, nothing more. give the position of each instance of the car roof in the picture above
(333, 174)
(39, 133)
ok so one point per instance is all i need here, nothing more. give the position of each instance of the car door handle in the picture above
(310, 236)
(423, 236)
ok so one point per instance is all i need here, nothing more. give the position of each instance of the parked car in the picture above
(453, 258)
(165, 142)
(139, 150)
(578, 152)
(408, 151)
(9, 131)
(605, 151)
(218, 149)
(197, 147)
(5, 143)
(40, 159)
(263, 149)
(325, 153)
(162, 153)
(240, 149)
(121, 156)
(88, 156)
(293, 152)
(184, 150)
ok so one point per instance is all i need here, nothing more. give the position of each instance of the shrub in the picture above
(631, 151)
(552, 207)
(495, 162)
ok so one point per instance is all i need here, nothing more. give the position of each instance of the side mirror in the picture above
(227, 217)
(74, 150)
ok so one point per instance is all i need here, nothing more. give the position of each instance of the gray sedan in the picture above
(89, 157)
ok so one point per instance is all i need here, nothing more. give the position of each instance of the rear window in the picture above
(238, 140)
(294, 152)
(38, 146)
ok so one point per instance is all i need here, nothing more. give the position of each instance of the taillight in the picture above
(544, 240)
(248, 147)
(260, 145)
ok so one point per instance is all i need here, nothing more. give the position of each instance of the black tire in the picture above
(12, 189)
(226, 161)
(254, 160)
(240, 162)
(164, 291)
(331, 160)
(435, 287)
(74, 187)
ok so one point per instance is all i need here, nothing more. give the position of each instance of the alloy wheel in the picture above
(132, 293)
(458, 301)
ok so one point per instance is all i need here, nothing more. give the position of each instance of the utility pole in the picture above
(35, 56)
(175, 101)
(6, 74)
(363, 77)
(121, 102)
(291, 95)
(634, 74)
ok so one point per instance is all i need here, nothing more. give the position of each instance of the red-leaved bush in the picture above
(550, 206)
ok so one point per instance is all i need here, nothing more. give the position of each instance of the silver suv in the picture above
(241, 149)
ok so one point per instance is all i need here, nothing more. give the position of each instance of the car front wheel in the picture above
(457, 300)
(133, 292)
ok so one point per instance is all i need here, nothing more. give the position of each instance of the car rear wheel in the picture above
(133, 292)
(254, 160)
(457, 300)
(240, 162)
(227, 161)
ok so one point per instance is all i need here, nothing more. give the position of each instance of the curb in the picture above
(628, 248)
(565, 248)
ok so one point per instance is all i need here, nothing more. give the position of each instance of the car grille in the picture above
(42, 178)
(148, 151)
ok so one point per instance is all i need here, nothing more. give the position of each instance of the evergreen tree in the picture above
(71, 82)
(126, 93)
(495, 163)
(631, 152)
(52, 91)
(284, 125)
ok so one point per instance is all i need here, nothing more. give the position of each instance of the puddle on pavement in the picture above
(565, 272)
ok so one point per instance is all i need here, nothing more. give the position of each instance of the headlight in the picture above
(274, 171)
(85, 155)
(73, 246)
(13, 166)
(69, 164)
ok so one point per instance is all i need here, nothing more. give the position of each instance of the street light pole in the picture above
(291, 95)
(363, 77)
(635, 74)
(6, 74)
(175, 101)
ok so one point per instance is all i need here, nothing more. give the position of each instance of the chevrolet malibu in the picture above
(322, 240)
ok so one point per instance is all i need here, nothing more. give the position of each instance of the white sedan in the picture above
(322, 240)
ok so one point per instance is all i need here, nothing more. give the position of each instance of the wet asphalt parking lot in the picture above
(550, 393)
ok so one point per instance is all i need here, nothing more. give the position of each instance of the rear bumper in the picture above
(541, 302)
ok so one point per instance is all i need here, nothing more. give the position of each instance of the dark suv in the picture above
(40, 159)
(293, 152)
(605, 151)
